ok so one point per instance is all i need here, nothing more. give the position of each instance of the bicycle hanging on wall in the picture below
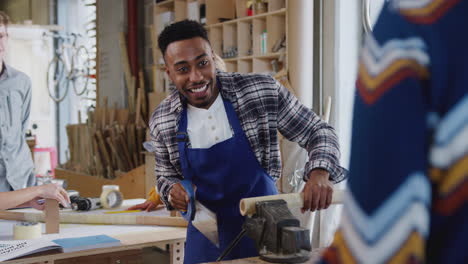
(62, 70)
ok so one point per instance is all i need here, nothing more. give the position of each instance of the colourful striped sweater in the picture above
(409, 164)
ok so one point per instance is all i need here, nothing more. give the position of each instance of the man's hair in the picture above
(185, 29)
(4, 19)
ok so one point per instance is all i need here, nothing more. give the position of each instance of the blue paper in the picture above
(88, 242)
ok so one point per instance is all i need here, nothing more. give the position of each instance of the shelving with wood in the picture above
(252, 43)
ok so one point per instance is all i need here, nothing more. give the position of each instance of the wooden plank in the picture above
(52, 224)
(138, 107)
(123, 144)
(85, 148)
(140, 135)
(99, 159)
(132, 184)
(120, 162)
(144, 108)
(131, 140)
(101, 219)
(94, 160)
(143, 102)
(122, 117)
(112, 113)
(105, 154)
(131, 96)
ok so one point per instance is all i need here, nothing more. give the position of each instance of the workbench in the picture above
(314, 257)
(133, 240)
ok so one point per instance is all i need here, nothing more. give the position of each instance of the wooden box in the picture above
(133, 184)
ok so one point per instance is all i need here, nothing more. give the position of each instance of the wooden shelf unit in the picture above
(240, 33)
(244, 34)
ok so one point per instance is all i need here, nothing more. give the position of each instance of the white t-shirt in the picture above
(207, 127)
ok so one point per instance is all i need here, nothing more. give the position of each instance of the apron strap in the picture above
(182, 142)
(232, 117)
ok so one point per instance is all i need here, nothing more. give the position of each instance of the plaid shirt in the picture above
(263, 107)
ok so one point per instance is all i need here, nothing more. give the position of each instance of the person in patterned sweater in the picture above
(409, 163)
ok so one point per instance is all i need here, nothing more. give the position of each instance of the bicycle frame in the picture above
(63, 64)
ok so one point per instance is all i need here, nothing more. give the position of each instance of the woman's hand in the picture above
(51, 191)
(146, 206)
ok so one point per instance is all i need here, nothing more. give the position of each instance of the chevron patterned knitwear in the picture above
(409, 163)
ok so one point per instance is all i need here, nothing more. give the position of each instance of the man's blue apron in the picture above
(223, 174)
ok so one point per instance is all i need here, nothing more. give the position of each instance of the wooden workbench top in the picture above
(314, 257)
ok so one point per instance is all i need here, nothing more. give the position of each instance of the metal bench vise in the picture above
(277, 233)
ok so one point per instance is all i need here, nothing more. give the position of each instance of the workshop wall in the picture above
(111, 18)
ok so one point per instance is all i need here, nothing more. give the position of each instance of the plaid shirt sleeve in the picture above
(166, 173)
(300, 124)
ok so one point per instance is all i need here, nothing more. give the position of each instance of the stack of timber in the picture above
(111, 140)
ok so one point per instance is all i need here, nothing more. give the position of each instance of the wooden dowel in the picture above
(120, 163)
(138, 108)
(294, 200)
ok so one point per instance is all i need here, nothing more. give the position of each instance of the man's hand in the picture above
(178, 197)
(147, 206)
(318, 191)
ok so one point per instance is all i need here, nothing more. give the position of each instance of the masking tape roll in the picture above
(111, 198)
(27, 230)
(110, 187)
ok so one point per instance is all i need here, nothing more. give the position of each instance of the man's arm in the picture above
(166, 175)
(300, 124)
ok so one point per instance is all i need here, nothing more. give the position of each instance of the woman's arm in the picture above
(28, 196)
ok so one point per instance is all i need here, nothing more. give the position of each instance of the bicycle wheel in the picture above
(80, 70)
(57, 78)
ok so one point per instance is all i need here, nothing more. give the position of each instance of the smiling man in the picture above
(16, 166)
(197, 86)
(220, 130)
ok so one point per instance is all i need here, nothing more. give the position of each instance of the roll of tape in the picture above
(111, 198)
(110, 187)
(27, 230)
